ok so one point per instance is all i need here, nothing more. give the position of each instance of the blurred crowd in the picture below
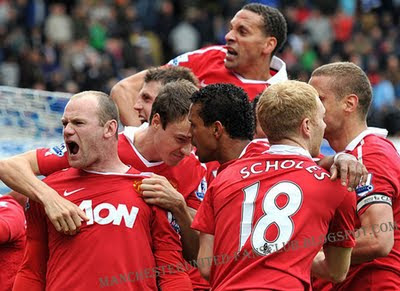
(91, 44)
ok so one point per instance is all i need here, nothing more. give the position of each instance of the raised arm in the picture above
(125, 94)
(19, 173)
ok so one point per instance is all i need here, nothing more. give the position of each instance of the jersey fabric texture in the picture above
(208, 65)
(269, 216)
(382, 161)
(12, 240)
(188, 177)
(119, 247)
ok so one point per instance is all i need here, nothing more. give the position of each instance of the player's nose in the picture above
(229, 37)
(69, 129)
(138, 106)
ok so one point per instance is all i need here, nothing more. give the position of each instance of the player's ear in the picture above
(270, 45)
(350, 103)
(110, 128)
(156, 121)
(217, 129)
(305, 127)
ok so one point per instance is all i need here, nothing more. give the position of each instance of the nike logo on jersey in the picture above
(203, 84)
(66, 193)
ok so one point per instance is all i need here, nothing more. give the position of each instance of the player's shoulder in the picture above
(373, 142)
(256, 147)
(206, 52)
(59, 150)
(378, 151)
(8, 202)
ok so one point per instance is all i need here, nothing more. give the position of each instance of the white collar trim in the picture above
(129, 132)
(370, 130)
(276, 64)
(280, 149)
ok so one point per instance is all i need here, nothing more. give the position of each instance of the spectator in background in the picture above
(58, 25)
(140, 26)
(184, 37)
(319, 27)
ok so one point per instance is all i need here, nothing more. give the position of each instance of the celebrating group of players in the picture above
(187, 182)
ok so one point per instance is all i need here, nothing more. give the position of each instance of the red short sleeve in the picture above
(51, 160)
(204, 220)
(341, 229)
(164, 231)
(32, 274)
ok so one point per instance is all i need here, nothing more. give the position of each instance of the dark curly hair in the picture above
(254, 107)
(274, 22)
(229, 105)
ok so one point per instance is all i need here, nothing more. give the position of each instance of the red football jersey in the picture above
(12, 240)
(254, 148)
(269, 216)
(383, 186)
(119, 247)
(208, 64)
(186, 177)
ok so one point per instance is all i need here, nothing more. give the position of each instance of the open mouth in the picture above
(73, 147)
(231, 51)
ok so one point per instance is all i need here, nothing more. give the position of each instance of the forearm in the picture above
(376, 237)
(326, 162)
(125, 94)
(189, 236)
(368, 245)
(319, 266)
(18, 174)
(332, 264)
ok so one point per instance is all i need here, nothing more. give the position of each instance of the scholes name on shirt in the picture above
(266, 166)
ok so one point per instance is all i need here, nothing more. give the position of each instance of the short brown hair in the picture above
(283, 106)
(168, 74)
(106, 110)
(348, 78)
(173, 102)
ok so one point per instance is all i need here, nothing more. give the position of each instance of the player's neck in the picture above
(349, 132)
(231, 150)
(108, 162)
(256, 72)
(143, 142)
